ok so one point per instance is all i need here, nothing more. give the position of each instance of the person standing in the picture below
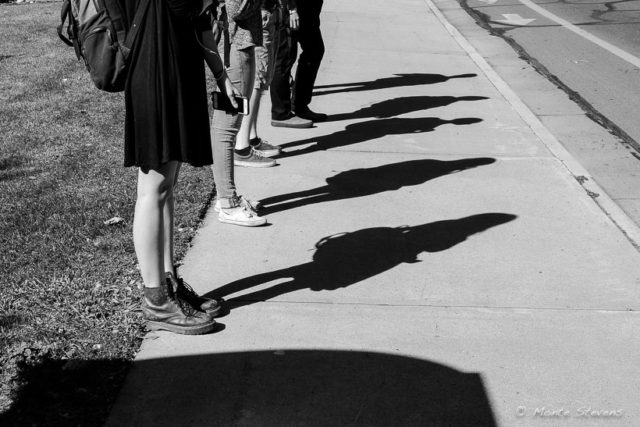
(166, 124)
(290, 103)
(237, 42)
(251, 150)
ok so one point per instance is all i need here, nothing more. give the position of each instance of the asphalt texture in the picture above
(433, 256)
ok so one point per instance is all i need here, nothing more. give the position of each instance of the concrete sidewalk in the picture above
(431, 259)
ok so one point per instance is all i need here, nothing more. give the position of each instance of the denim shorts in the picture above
(265, 54)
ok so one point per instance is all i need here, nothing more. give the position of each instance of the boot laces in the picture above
(183, 296)
(186, 307)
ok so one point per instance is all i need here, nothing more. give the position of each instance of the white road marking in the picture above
(633, 60)
(514, 19)
(489, 1)
(606, 203)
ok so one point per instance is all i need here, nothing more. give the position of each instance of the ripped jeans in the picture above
(225, 126)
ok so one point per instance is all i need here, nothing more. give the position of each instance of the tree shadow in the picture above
(301, 388)
(65, 392)
(367, 181)
(400, 106)
(344, 259)
(364, 131)
(398, 80)
(261, 388)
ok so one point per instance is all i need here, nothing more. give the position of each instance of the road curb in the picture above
(582, 176)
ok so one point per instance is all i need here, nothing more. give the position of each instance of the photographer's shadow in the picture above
(367, 181)
(399, 106)
(373, 129)
(345, 259)
(398, 80)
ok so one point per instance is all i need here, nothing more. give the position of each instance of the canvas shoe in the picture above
(239, 214)
(311, 115)
(253, 205)
(263, 147)
(253, 160)
(292, 121)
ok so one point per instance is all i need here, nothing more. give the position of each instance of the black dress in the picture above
(165, 96)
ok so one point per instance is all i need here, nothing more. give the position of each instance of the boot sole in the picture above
(153, 325)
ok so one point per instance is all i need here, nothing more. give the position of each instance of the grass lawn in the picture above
(69, 295)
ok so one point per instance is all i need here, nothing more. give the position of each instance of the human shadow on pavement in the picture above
(399, 106)
(344, 259)
(364, 131)
(367, 181)
(398, 80)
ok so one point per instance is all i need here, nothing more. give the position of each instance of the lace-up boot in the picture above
(211, 306)
(163, 310)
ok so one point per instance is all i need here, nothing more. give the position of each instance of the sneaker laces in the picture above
(247, 204)
(257, 153)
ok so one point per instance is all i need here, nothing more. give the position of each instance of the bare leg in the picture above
(153, 221)
(169, 223)
(254, 106)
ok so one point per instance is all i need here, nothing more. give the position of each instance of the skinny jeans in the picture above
(225, 126)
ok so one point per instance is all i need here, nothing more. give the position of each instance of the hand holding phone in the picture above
(222, 102)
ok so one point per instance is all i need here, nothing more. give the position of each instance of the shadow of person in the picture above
(404, 105)
(344, 259)
(364, 131)
(398, 80)
(367, 181)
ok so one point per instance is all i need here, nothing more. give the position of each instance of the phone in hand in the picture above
(222, 102)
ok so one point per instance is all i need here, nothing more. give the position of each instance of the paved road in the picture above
(590, 47)
(591, 51)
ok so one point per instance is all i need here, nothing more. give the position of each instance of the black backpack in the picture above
(97, 30)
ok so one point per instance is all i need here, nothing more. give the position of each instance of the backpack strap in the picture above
(65, 16)
(116, 15)
(135, 25)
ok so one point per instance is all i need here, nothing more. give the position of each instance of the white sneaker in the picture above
(239, 214)
(253, 205)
